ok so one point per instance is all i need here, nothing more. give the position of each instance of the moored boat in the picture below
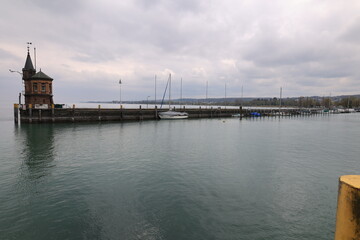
(173, 115)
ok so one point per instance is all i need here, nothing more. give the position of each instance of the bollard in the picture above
(348, 208)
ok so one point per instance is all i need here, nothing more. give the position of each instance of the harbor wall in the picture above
(32, 115)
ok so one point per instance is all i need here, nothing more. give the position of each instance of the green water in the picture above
(253, 179)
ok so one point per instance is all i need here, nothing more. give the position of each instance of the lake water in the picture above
(268, 178)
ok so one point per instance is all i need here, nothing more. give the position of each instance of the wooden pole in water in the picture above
(16, 113)
(348, 208)
(52, 113)
(30, 113)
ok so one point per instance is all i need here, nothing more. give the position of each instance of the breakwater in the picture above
(34, 115)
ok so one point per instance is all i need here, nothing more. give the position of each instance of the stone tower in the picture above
(38, 86)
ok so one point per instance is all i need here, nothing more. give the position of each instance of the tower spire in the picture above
(28, 63)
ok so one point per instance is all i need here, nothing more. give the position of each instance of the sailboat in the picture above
(172, 114)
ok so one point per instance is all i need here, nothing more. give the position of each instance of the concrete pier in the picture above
(73, 114)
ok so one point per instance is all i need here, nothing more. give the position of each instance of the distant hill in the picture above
(308, 101)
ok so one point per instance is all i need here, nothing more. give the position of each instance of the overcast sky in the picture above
(309, 47)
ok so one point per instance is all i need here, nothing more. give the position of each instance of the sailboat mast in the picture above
(169, 90)
(180, 92)
(155, 90)
(280, 98)
(242, 94)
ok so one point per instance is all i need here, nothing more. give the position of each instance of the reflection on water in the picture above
(265, 178)
(38, 150)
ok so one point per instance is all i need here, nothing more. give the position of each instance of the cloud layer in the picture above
(307, 47)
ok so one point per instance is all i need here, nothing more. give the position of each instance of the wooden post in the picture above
(16, 113)
(52, 113)
(156, 113)
(140, 113)
(121, 112)
(348, 208)
(99, 112)
(30, 113)
(40, 117)
(73, 117)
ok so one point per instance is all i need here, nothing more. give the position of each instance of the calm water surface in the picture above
(256, 179)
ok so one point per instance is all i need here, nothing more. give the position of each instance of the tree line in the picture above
(304, 102)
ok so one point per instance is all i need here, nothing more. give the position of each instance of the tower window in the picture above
(50, 90)
(35, 87)
(43, 87)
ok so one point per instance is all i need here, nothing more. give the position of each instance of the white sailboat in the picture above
(172, 114)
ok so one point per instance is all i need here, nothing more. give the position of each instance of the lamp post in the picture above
(120, 91)
(147, 102)
(12, 71)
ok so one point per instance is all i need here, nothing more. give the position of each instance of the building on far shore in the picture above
(38, 86)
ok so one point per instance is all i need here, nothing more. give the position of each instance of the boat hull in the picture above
(173, 115)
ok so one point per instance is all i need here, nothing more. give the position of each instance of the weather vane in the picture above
(28, 45)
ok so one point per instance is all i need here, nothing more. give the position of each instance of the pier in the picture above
(29, 114)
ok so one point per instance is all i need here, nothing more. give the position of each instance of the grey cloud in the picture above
(352, 33)
(271, 44)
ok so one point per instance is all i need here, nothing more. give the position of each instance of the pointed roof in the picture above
(41, 76)
(28, 63)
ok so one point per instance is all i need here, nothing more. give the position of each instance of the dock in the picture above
(29, 114)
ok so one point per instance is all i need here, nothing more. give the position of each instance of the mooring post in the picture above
(348, 208)
(156, 114)
(52, 112)
(16, 113)
(40, 117)
(121, 112)
(99, 112)
(30, 113)
(73, 117)
(140, 113)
